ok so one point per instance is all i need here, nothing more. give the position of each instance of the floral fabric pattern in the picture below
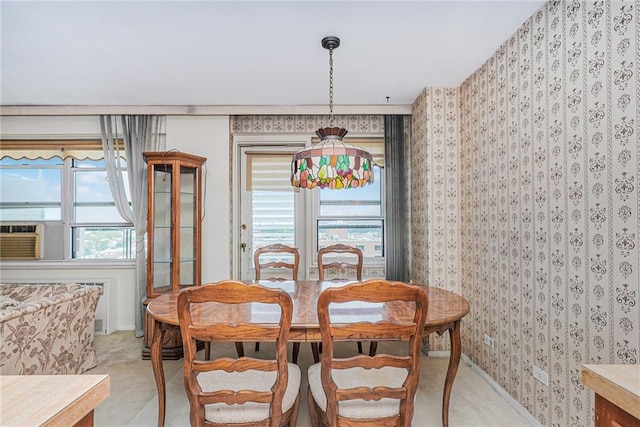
(51, 331)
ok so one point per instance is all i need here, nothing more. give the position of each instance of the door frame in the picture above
(240, 142)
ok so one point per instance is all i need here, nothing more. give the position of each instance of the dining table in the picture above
(445, 312)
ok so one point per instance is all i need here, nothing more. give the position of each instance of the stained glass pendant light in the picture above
(331, 163)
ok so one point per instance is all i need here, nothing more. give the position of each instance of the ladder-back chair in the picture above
(352, 266)
(278, 248)
(368, 390)
(244, 391)
(275, 272)
(327, 261)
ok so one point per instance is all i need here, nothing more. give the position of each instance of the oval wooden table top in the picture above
(444, 307)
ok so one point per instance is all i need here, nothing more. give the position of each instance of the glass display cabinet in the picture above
(174, 182)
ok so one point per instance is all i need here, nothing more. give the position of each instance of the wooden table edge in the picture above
(609, 390)
(76, 410)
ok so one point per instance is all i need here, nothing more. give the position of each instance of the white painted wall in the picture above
(206, 136)
(43, 126)
(118, 278)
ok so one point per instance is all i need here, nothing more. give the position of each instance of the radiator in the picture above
(102, 309)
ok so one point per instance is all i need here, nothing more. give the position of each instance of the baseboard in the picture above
(498, 388)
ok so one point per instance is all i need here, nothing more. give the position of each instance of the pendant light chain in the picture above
(331, 87)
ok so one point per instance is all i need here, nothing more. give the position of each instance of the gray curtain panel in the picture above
(140, 133)
(397, 187)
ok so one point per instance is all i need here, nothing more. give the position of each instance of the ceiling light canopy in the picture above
(331, 163)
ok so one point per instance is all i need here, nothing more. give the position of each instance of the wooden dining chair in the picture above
(245, 391)
(367, 390)
(276, 271)
(353, 268)
(345, 267)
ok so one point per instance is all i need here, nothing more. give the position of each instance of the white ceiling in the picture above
(244, 53)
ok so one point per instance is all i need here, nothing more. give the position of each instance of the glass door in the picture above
(271, 211)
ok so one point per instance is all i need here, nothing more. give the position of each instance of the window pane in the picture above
(273, 218)
(350, 209)
(93, 186)
(103, 242)
(98, 213)
(29, 192)
(366, 235)
(24, 213)
(93, 199)
(88, 163)
(363, 201)
(30, 185)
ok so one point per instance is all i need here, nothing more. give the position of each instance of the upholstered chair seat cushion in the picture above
(354, 377)
(254, 380)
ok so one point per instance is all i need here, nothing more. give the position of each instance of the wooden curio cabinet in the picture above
(174, 188)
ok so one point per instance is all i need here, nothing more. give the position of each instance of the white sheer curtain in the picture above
(140, 133)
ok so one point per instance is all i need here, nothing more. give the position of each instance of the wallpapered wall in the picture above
(360, 124)
(435, 199)
(549, 206)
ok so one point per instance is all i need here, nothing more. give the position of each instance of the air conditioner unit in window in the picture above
(20, 241)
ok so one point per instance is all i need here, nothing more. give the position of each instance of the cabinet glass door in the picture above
(188, 220)
(162, 214)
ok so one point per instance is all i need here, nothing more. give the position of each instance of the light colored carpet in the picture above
(133, 399)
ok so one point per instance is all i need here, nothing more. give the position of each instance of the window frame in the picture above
(368, 261)
(30, 151)
(60, 168)
(74, 225)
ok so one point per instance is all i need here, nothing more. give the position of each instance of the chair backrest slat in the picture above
(229, 364)
(248, 332)
(370, 393)
(231, 397)
(376, 362)
(366, 331)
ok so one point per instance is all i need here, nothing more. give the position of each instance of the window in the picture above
(31, 190)
(98, 230)
(353, 217)
(73, 192)
(268, 210)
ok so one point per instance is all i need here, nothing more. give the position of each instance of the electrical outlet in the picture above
(540, 375)
(489, 341)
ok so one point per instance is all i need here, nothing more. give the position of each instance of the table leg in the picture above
(158, 369)
(454, 361)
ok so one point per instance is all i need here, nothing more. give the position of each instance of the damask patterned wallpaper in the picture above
(435, 199)
(549, 223)
(361, 124)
